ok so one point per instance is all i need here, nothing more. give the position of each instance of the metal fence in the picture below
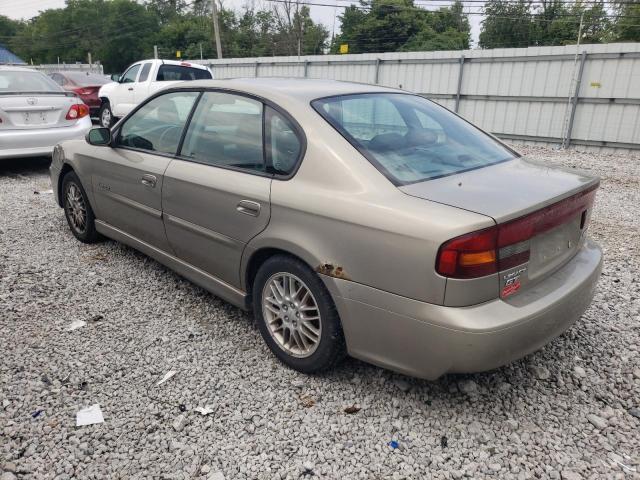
(587, 96)
(69, 67)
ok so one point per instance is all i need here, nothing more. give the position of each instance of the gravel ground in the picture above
(569, 411)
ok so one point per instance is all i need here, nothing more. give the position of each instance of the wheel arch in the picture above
(66, 168)
(256, 258)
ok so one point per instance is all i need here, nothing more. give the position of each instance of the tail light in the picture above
(503, 246)
(84, 91)
(76, 111)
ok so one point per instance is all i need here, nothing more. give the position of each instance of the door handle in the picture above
(148, 180)
(249, 207)
(130, 89)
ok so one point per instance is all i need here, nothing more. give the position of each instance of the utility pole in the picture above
(216, 30)
(299, 28)
(200, 50)
(155, 51)
(90, 62)
(573, 92)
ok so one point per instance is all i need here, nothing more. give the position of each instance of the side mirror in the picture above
(99, 137)
(115, 77)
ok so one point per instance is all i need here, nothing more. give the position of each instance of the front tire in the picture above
(106, 115)
(296, 315)
(77, 209)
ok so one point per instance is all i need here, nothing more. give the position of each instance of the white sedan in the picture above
(36, 114)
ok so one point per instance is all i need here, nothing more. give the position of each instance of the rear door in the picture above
(141, 90)
(216, 195)
(128, 179)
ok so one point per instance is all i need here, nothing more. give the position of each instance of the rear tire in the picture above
(106, 115)
(77, 209)
(296, 315)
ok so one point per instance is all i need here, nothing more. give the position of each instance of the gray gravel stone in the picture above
(569, 475)
(540, 372)
(579, 372)
(468, 387)
(597, 421)
(155, 321)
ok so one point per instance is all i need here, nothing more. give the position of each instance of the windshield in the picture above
(409, 138)
(85, 79)
(18, 81)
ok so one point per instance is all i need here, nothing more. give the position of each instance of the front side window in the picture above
(168, 73)
(408, 138)
(226, 131)
(157, 126)
(130, 75)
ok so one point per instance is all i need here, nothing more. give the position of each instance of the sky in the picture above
(29, 8)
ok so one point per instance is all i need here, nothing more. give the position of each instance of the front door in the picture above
(123, 95)
(216, 195)
(128, 183)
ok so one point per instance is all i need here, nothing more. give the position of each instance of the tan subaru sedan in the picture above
(351, 219)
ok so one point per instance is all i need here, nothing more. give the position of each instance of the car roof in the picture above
(184, 63)
(293, 89)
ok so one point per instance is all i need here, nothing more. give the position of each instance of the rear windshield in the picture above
(86, 79)
(18, 81)
(168, 73)
(409, 138)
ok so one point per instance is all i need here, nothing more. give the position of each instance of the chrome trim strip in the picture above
(204, 232)
(133, 204)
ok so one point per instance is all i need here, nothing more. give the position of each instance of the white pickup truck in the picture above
(141, 80)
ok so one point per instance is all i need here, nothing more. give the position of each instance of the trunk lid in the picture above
(554, 200)
(24, 111)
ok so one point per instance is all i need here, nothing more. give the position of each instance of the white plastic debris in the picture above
(47, 191)
(204, 410)
(89, 416)
(75, 325)
(166, 377)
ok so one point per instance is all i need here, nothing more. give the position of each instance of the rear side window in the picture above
(283, 145)
(226, 131)
(408, 138)
(144, 73)
(167, 73)
(157, 126)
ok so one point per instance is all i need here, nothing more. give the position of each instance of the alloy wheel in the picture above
(76, 208)
(105, 118)
(291, 314)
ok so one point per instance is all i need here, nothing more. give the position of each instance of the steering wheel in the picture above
(164, 142)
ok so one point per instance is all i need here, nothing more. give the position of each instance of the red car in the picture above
(85, 84)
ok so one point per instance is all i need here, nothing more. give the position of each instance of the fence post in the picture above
(458, 91)
(377, 73)
(256, 71)
(566, 141)
(306, 68)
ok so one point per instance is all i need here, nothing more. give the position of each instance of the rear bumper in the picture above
(427, 341)
(39, 142)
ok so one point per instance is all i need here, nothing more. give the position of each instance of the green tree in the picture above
(506, 24)
(116, 32)
(396, 25)
(627, 28)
